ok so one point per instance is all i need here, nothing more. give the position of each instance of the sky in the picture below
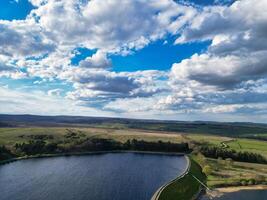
(178, 60)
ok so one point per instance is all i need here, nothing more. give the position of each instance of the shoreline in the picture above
(156, 195)
(87, 153)
(239, 188)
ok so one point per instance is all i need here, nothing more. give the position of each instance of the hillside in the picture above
(232, 129)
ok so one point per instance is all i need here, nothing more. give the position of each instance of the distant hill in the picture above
(233, 129)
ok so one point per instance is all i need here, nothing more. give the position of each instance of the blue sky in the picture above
(157, 56)
(182, 60)
(12, 9)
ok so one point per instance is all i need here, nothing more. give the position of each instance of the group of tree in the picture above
(5, 153)
(34, 147)
(242, 156)
(100, 144)
(142, 145)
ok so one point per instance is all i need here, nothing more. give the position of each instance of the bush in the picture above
(207, 170)
(243, 182)
(251, 182)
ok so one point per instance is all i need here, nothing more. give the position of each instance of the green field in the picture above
(235, 173)
(10, 136)
(238, 144)
(234, 129)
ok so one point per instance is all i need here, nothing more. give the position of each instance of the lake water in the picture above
(243, 195)
(110, 176)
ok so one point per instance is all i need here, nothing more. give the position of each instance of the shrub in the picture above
(243, 182)
(207, 170)
(251, 182)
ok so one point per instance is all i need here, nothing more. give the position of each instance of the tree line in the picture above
(98, 144)
(5, 153)
(242, 156)
(34, 147)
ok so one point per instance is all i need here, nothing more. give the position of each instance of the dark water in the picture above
(111, 176)
(244, 195)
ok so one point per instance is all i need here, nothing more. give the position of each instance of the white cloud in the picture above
(55, 28)
(38, 102)
(110, 25)
(54, 92)
(98, 60)
(100, 85)
(8, 70)
(225, 72)
(23, 39)
(230, 77)
(37, 3)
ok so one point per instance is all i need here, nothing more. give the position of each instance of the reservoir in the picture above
(109, 176)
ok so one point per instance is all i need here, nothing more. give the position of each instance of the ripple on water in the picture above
(117, 176)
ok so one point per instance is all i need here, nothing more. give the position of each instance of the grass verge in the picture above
(186, 187)
(225, 174)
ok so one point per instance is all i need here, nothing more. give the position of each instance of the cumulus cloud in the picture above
(110, 25)
(229, 77)
(225, 72)
(23, 39)
(239, 44)
(98, 60)
(49, 66)
(8, 70)
(100, 85)
(243, 20)
(100, 80)
(54, 28)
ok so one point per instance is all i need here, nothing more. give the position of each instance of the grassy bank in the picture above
(186, 187)
(225, 173)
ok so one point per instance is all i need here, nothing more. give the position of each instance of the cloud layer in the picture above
(229, 77)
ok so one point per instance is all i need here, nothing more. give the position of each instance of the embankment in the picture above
(184, 187)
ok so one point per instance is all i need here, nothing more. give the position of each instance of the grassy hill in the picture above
(245, 130)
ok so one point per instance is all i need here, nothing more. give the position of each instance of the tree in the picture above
(5, 153)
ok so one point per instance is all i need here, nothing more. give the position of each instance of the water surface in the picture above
(111, 176)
